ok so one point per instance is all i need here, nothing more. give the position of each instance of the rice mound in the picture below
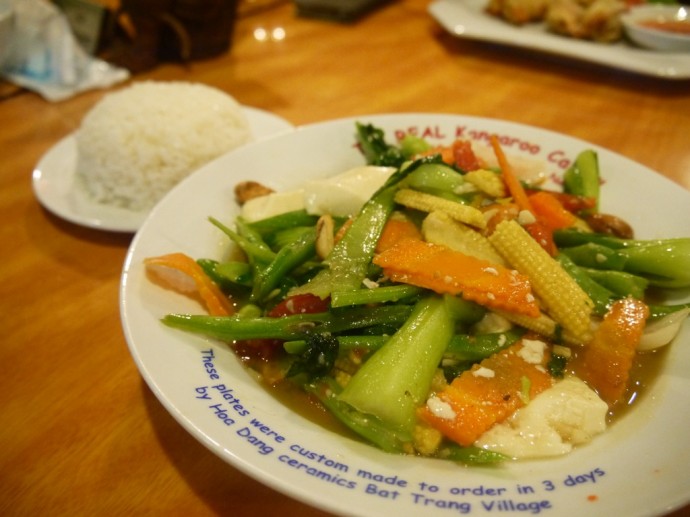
(137, 143)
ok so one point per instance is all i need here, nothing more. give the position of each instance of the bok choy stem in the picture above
(396, 379)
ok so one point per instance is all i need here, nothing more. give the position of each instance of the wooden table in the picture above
(80, 433)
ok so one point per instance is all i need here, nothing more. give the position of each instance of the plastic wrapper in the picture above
(43, 54)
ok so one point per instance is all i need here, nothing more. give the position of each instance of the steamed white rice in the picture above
(139, 142)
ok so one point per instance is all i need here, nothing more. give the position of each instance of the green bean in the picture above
(435, 178)
(392, 293)
(472, 455)
(619, 282)
(227, 276)
(236, 272)
(601, 296)
(256, 251)
(285, 237)
(463, 347)
(347, 343)
(234, 328)
(595, 256)
(287, 259)
(277, 223)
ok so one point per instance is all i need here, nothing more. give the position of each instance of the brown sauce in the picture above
(645, 371)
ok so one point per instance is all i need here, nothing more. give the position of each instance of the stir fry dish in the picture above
(436, 303)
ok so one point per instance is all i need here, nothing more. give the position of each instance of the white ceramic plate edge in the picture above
(162, 353)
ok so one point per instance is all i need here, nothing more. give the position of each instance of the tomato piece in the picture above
(464, 156)
(255, 351)
(299, 304)
(543, 236)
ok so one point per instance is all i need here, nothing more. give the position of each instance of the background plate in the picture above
(640, 466)
(467, 19)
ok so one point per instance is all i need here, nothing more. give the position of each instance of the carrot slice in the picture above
(511, 180)
(536, 229)
(550, 212)
(571, 202)
(605, 362)
(395, 230)
(490, 392)
(182, 273)
(446, 271)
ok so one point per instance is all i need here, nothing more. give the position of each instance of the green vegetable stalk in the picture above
(391, 293)
(287, 259)
(396, 379)
(298, 326)
(604, 287)
(366, 426)
(438, 179)
(663, 262)
(348, 263)
(464, 347)
(270, 225)
(582, 177)
(251, 243)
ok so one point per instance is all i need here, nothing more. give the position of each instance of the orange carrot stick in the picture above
(446, 271)
(536, 229)
(490, 392)
(181, 273)
(511, 180)
(606, 361)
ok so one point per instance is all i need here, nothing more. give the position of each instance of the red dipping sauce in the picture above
(673, 26)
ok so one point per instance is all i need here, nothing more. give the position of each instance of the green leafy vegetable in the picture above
(317, 358)
(375, 149)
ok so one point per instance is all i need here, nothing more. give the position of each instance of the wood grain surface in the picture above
(80, 432)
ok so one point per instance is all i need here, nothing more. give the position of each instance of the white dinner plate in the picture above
(640, 466)
(468, 19)
(56, 189)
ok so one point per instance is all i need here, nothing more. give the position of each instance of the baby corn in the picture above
(487, 181)
(563, 299)
(438, 227)
(542, 325)
(428, 203)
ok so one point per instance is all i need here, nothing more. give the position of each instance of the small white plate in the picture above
(468, 19)
(55, 187)
(640, 466)
(655, 38)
